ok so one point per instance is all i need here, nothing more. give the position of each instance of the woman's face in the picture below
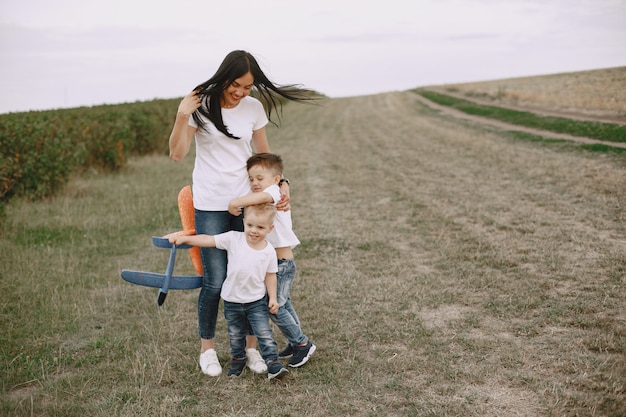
(237, 90)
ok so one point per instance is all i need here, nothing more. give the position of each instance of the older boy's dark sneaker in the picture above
(276, 370)
(302, 354)
(237, 367)
(286, 352)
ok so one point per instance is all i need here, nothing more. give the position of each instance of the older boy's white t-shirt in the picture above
(282, 235)
(245, 276)
(219, 173)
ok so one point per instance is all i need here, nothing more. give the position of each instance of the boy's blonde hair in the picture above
(265, 210)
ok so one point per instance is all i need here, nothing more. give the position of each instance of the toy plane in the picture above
(169, 281)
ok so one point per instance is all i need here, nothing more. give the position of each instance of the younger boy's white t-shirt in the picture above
(247, 267)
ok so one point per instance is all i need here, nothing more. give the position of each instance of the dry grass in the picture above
(599, 93)
(445, 270)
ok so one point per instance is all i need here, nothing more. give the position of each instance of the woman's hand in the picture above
(189, 103)
(284, 203)
(182, 134)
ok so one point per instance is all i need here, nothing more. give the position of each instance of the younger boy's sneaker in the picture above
(276, 370)
(209, 363)
(237, 366)
(286, 352)
(302, 354)
(255, 362)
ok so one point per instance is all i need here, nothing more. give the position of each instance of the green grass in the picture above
(595, 130)
(444, 270)
(602, 148)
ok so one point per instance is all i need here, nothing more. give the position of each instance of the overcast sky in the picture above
(69, 53)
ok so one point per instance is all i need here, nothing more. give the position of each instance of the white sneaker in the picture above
(209, 363)
(255, 362)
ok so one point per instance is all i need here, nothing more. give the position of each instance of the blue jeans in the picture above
(286, 319)
(243, 317)
(214, 264)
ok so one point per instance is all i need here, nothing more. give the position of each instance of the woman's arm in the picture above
(259, 141)
(285, 201)
(182, 134)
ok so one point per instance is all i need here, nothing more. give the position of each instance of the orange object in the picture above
(187, 218)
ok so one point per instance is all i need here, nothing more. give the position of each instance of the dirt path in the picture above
(507, 126)
(442, 249)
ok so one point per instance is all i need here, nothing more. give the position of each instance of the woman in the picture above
(225, 122)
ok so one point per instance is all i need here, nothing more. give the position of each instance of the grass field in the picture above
(598, 93)
(445, 270)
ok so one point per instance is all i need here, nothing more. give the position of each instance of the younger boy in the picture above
(265, 172)
(251, 272)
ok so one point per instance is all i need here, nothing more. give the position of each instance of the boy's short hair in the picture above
(265, 209)
(268, 160)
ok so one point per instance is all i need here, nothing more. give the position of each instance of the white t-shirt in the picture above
(245, 278)
(282, 235)
(219, 173)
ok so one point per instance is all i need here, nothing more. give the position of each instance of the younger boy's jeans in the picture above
(286, 318)
(256, 313)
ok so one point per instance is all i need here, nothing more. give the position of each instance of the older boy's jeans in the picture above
(214, 264)
(286, 319)
(243, 316)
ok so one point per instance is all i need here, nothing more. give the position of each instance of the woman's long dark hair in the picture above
(235, 65)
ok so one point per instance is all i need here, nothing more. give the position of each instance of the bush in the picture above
(41, 149)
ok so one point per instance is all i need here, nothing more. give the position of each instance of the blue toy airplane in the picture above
(166, 281)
